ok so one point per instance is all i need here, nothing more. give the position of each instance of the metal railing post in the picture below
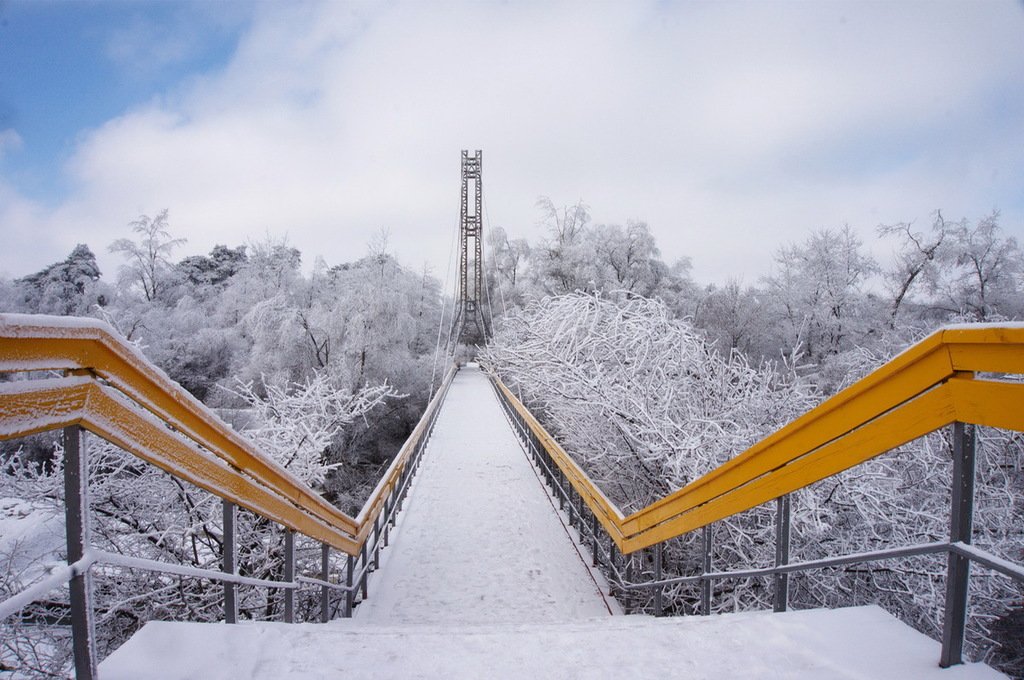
(572, 506)
(611, 566)
(628, 593)
(658, 590)
(228, 562)
(76, 500)
(376, 542)
(362, 558)
(593, 532)
(400, 493)
(705, 583)
(580, 507)
(325, 592)
(781, 552)
(961, 521)
(350, 594)
(289, 575)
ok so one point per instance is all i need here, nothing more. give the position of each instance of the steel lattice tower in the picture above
(471, 327)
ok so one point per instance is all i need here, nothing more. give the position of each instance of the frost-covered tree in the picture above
(627, 259)
(505, 262)
(149, 266)
(957, 270)
(68, 288)
(563, 260)
(818, 289)
(982, 272)
(733, 318)
(204, 272)
(916, 262)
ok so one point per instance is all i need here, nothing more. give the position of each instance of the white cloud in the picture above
(730, 128)
(10, 140)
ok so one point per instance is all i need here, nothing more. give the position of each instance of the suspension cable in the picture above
(444, 301)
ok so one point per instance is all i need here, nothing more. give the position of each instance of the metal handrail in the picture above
(933, 384)
(110, 389)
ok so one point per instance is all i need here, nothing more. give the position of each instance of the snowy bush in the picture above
(640, 398)
(646, 405)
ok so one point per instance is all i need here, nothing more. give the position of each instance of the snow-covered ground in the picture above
(31, 539)
(478, 541)
(861, 643)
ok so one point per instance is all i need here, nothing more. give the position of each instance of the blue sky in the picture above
(68, 67)
(730, 127)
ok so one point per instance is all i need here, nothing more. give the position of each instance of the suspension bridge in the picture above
(485, 550)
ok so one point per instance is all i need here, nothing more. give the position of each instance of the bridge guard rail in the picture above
(111, 390)
(956, 377)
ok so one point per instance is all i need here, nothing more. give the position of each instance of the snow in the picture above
(28, 325)
(31, 538)
(843, 644)
(478, 540)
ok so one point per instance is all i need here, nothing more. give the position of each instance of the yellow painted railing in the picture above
(110, 389)
(933, 384)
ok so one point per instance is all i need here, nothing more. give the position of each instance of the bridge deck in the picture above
(478, 540)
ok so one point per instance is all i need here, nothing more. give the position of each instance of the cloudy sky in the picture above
(729, 127)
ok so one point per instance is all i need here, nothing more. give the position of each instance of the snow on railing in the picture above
(111, 390)
(931, 385)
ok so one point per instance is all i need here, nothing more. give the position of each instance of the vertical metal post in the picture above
(76, 502)
(575, 500)
(781, 552)
(705, 583)
(325, 592)
(350, 594)
(376, 542)
(659, 607)
(362, 559)
(400, 497)
(611, 565)
(961, 526)
(228, 562)
(593, 532)
(289, 575)
(628, 592)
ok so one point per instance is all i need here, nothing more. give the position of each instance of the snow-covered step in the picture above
(480, 540)
(857, 643)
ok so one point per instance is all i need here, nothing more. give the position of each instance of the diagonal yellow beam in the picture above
(34, 342)
(61, 402)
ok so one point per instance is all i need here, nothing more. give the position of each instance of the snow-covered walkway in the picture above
(479, 541)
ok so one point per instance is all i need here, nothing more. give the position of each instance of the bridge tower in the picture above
(470, 325)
